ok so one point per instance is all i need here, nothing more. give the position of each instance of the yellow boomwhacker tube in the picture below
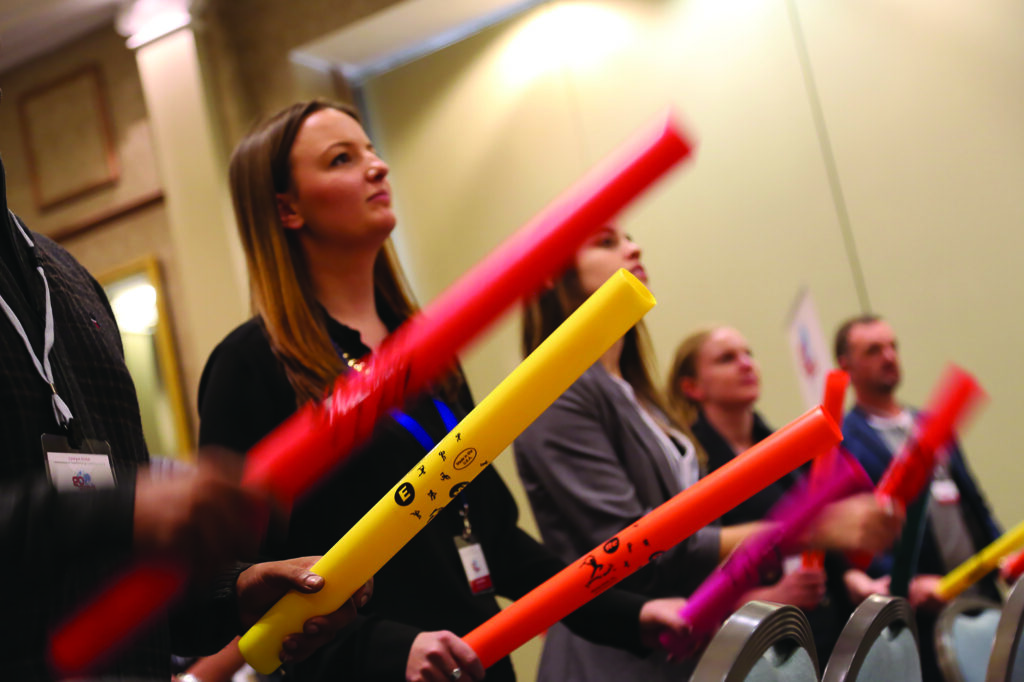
(458, 458)
(979, 565)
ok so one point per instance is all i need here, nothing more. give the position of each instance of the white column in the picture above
(193, 171)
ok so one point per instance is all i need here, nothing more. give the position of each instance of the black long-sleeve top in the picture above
(244, 394)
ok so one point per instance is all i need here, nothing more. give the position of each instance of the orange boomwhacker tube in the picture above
(835, 393)
(653, 534)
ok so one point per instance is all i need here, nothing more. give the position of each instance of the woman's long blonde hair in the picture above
(685, 366)
(280, 287)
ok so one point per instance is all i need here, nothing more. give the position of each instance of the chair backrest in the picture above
(1006, 663)
(761, 642)
(964, 633)
(879, 642)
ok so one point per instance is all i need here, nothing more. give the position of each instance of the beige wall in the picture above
(922, 104)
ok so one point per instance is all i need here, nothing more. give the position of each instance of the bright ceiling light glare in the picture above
(143, 21)
(135, 309)
(565, 34)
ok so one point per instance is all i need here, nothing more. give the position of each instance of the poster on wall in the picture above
(808, 348)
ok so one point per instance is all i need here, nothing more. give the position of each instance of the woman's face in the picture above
(727, 375)
(602, 255)
(339, 192)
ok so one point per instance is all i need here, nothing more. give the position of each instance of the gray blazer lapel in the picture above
(639, 440)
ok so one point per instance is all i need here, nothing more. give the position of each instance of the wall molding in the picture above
(89, 223)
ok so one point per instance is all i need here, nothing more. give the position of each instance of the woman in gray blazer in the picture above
(606, 453)
(603, 455)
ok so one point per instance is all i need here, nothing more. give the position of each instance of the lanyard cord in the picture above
(420, 434)
(417, 430)
(60, 409)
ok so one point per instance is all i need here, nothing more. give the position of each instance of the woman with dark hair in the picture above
(603, 455)
(313, 206)
(608, 451)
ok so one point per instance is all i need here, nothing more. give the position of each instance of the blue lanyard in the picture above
(417, 430)
(420, 434)
(410, 424)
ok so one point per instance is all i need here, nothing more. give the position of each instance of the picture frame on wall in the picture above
(69, 139)
(136, 294)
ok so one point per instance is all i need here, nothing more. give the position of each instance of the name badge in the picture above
(78, 469)
(944, 491)
(475, 566)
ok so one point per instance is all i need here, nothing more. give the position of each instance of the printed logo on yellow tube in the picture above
(464, 459)
(457, 488)
(405, 495)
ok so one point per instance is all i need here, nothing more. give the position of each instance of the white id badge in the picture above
(944, 491)
(78, 469)
(792, 564)
(475, 566)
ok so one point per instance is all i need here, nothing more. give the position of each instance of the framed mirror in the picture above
(137, 298)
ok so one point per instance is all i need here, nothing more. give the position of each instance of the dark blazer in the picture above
(69, 543)
(591, 467)
(868, 447)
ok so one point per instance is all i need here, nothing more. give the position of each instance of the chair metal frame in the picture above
(1008, 634)
(944, 648)
(752, 630)
(868, 621)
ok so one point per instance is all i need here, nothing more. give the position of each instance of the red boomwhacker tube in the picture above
(421, 350)
(836, 382)
(317, 438)
(142, 593)
(956, 395)
(1013, 567)
(653, 534)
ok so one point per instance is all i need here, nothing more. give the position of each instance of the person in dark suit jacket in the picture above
(62, 375)
(876, 428)
(957, 522)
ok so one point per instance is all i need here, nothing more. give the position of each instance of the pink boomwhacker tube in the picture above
(658, 531)
(835, 392)
(317, 438)
(957, 394)
(716, 598)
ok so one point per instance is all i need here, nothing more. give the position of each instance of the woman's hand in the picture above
(442, 657)
(661, 614)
